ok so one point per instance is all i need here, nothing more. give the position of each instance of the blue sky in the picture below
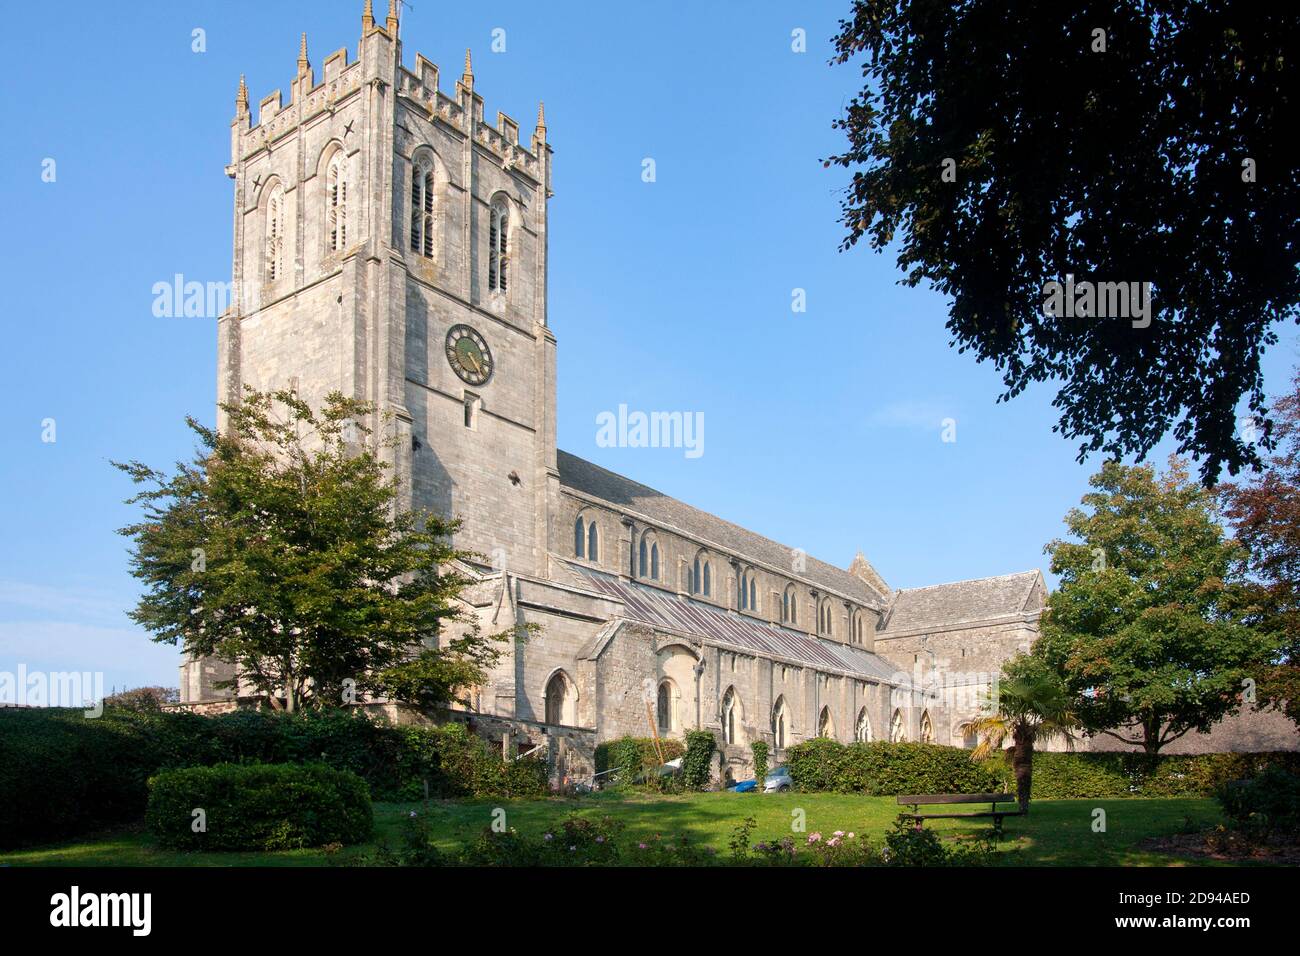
(821, 428)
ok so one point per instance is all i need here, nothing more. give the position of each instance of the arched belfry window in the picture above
(336, 202)
(579, 538)
(498, 246)
(423, 192)
(275, 234)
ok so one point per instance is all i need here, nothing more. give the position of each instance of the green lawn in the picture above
(1057, 833)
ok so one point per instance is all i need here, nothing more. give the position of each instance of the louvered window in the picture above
(498, 247)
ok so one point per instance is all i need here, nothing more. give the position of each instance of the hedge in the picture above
(636, 753)
(232, 806)
(889, 769)
(62, 774)
(1078, 775)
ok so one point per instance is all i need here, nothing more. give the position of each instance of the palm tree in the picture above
(1030, 703)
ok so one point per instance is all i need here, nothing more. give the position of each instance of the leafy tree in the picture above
(1142, 628)
(1265, 514)
(281, 549)
(1009, 144)
(1030, 704)
(143, 698)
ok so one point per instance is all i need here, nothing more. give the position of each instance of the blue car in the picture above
(778, 781)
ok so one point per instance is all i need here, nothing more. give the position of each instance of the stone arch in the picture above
(897, 729)
(501, 239)
(676, 687)
(826, 724)
(336, 199)
(927, 728)
(862, 727)
(780, 724)
(273, 223)
(561, 699)
(790, 605)
(649, 556)
(425, 199)
(587, 535)
(733, 718)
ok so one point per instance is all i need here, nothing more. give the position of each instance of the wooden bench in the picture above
(918, 800)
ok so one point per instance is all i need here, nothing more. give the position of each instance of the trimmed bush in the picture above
(1067, 776)
(258, 807)
(62, 774)
(889, 769)
(636, 754)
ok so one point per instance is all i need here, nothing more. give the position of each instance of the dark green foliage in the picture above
(63, 774)
(1266, 803)
(258, 807)
(1123, 164)
(635, 754)
(1064, 776)
(909, 845)
(759, 748)
(700, 745)
(282, 548)
(1144, 629)
(143, 698)
(889, 769)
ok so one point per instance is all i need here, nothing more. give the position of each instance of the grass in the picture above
(1056, 833)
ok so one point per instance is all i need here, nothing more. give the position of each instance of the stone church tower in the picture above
(390, 244)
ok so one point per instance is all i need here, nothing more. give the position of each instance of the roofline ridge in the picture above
(990, 577)
(714, 545)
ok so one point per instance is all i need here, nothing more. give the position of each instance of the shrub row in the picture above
(62, 774)
(1078, 775)
(894, 768)
(232, 806)
(888, 769)
(637, 754)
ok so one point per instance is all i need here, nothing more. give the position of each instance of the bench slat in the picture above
(955, 816)
(919, 799)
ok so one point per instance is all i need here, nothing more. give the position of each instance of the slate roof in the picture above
(656, 608)
(976, 600)
(655, 507)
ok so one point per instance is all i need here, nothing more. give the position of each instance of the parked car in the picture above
(778, 781)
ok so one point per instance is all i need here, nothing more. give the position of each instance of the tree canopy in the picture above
(1265, 515)
(1143, 627)
(1009, 145)
(281, 548)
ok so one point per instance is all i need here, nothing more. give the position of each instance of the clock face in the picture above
(469, 355)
